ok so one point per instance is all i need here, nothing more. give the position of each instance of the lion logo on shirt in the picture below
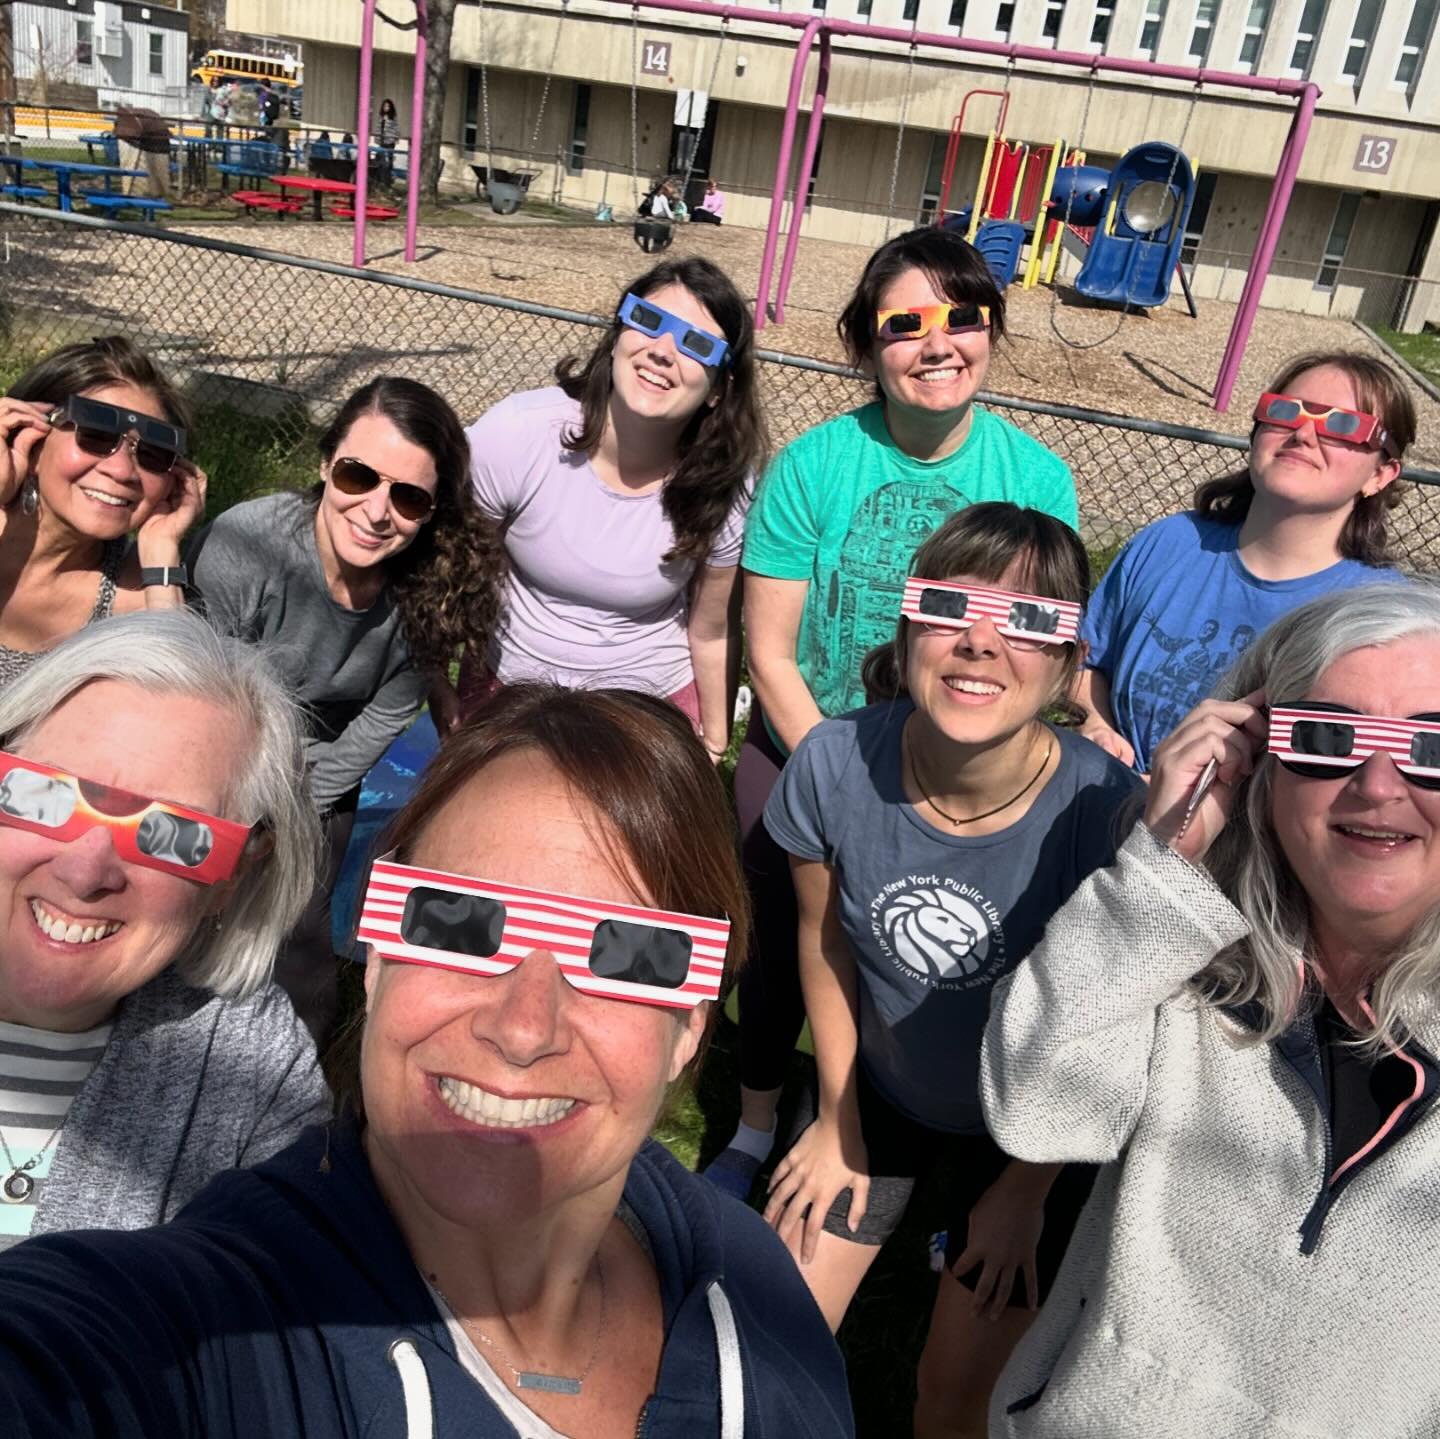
(940, 931)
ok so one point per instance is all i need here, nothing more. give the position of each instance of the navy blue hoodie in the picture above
(282, 1302)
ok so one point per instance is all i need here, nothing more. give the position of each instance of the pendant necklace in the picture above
(532, 1378)
(18, 1185)
(971, 819)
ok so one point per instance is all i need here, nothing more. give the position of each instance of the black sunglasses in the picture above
(355, 477)
(100, 429)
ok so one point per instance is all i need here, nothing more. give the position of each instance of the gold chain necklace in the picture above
(971, 819)
(534, 1378)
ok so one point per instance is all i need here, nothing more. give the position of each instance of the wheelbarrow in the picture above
(505, 189)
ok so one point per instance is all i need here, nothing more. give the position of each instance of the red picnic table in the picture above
(314, 187)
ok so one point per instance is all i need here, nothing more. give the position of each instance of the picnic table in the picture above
(315, 187)
(66, 169)
(106, 143)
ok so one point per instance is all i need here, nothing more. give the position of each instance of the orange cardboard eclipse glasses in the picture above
(150, 832)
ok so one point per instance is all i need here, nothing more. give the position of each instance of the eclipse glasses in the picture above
(1323, 741)
(1348, 427)
(647, 317)
(1026, 622)
(100, 429)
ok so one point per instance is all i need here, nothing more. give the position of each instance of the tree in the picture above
(440, 16)
(7, 68)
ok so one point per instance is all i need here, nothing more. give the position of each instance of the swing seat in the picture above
(1000, 243)
(505, 189)
(653, 235)
(604, 213)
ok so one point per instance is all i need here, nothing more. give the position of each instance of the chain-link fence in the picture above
(270, 345)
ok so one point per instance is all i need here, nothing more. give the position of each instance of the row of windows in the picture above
(85, 47)
(1202, 18)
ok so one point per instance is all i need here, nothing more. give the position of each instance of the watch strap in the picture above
(164, 575)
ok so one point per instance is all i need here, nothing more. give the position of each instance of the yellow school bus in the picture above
(282, 72)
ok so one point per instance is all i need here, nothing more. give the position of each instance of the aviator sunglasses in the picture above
(637, 314)
(480, 926)
(1317, 740)
(151, 832)
(1025, 622)
(100, 429)
(917, 323)
(1332, 424)
(355, 477)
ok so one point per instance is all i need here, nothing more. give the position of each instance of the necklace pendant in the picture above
(550, 1383)
(17, 1188)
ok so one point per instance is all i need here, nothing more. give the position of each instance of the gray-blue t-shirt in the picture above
(935, 919)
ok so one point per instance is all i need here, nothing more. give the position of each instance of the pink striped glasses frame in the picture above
(1034, 620)
(480, 926)
(1323, 742)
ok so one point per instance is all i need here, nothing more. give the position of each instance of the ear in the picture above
(1385, 475)
(687, 1039)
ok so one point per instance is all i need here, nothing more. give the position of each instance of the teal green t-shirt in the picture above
(845, 508)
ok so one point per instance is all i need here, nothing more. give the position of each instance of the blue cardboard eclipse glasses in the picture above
(650, 319)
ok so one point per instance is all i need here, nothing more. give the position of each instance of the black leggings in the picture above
(772, 1008)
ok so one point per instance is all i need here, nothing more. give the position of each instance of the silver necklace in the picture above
(18, 1185)
(534, 1378)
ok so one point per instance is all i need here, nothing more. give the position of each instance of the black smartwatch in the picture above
(164, 575)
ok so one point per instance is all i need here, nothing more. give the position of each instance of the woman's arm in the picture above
(773, 609)
(1092, 694)
(714, 633)
(338, 765)
(157, 544)
(830, 1155)
(288, 1089)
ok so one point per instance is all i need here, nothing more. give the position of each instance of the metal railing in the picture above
(276, 342)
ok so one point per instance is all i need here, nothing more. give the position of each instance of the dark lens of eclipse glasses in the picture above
(699, 344)
(944, 604)
(646, 317)
(355, 477)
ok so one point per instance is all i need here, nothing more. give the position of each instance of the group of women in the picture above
(1138, 985)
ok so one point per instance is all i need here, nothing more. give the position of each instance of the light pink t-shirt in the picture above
(588, 602)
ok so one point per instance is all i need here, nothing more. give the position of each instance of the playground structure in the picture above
(818, 28)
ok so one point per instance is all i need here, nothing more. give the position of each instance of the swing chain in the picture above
(900, 128)
(549, 74)
(635, 104)
(485, 89)
(694, 150)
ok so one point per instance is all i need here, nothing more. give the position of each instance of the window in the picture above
(1100, 25)
(1339, 239)
(1005, 19)
(157, 54)
(1367, 17)
(864, 7)
(957, 13)
(1199, 213)
(84, 42)
(934, 173)
(815, 173)
(1204, 30)
(817, 5)
(579, 130)
(1311, 18)
(1054, 15)
(1417, 36)
(1150, 28)
(470, 129)
(1254, 37)
(912, 10)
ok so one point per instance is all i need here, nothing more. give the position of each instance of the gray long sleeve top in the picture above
(258, 572)
(189, 1085)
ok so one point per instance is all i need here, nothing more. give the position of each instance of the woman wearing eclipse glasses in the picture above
(155, 846)
(1306, 516)
(1239, 1022)
(488, 1244)
(835, 523)
(92, 450)
(622, 494)
(931, 836)
(359, 592)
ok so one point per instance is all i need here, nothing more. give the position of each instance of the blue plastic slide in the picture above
(1000, 243)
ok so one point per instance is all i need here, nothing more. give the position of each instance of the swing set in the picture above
(1125, 253)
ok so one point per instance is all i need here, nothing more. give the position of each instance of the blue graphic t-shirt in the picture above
(845, 508)
(934, 919)
(1177, 609)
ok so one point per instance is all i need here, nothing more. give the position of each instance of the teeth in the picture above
(479, 1106)
(74, 932)
(973, 687)
(654, 379)
(929, 375)
(113, 500)
(1365, 833)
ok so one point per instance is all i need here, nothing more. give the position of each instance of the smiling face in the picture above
(1365, 846)
(1295, 469)
(650, 378)
(937, 373)
(366, 530)
(974, 687)
(495, 1098)
(82, 927)
(102, 499)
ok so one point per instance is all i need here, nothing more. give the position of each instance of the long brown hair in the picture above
(1379, 392)
(447, 582)
(724, 444)
(983, 541)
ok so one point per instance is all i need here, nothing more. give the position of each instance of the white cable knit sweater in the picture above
(1185, 1306)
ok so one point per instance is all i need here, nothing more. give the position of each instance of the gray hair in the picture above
(1271, 965)
(176, 652)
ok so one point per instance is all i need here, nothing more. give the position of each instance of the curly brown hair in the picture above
(446, 584)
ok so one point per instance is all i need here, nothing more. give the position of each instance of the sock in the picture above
(757, 1143)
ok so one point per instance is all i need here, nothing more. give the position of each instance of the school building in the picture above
(559, 85)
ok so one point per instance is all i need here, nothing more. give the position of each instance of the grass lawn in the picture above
(1422, 351)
